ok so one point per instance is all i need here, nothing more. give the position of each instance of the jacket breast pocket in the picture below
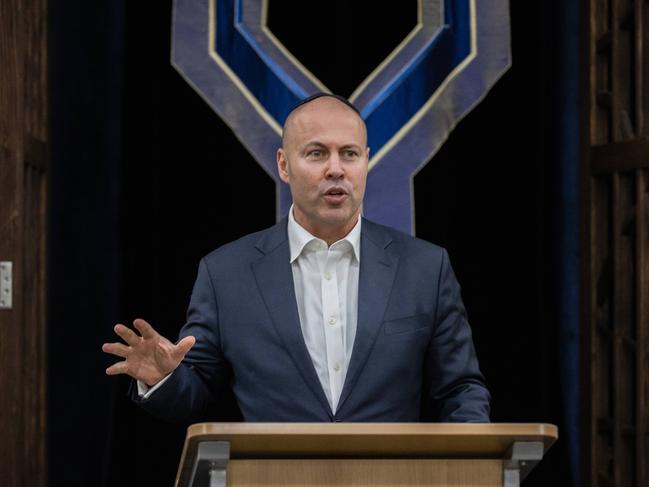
(407, 324)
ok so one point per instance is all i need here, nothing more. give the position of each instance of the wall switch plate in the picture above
(6, 284)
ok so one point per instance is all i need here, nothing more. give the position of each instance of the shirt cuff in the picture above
(145, 391)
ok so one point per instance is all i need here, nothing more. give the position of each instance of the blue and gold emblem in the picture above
(410, 102)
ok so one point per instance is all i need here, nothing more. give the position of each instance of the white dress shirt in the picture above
(326, 289)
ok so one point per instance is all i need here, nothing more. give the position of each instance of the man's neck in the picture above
(330, 234)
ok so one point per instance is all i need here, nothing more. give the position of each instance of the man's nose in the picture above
(335, 167)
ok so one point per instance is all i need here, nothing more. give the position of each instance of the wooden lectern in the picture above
(361, 454)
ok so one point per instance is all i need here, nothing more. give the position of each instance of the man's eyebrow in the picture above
(351, 146)
(317, 143)
(314, 143)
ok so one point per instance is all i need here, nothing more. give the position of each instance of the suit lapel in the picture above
(377, 270)
(275, 280)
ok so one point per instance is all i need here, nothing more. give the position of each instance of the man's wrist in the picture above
(144, 391)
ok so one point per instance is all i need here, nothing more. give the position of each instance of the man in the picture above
(325, 316)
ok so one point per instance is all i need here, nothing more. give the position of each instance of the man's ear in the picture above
(282, 165)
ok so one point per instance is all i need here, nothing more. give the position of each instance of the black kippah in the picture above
(321, 94)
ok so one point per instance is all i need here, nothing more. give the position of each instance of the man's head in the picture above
(324, 159)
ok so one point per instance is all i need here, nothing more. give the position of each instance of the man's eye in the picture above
(350, 154)
(315, 154)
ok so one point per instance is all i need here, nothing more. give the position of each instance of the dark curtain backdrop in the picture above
(146, 179)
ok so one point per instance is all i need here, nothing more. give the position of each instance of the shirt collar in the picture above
(299, 237)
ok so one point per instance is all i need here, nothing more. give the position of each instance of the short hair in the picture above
(315, 96)
(321, 94)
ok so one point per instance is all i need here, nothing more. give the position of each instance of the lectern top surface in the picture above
(370, 440)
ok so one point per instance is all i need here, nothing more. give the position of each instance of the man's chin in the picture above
(337, 217)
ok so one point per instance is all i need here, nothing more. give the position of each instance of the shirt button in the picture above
(332, 321)
(336, 367)
(327, 276)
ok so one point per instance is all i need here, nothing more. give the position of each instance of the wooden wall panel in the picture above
(624, 348)
(642, 312)
(616, 151)
(601, 446)
(23, 196)
(11, 210)
(642, 76)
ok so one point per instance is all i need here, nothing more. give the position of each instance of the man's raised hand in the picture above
(148, 357)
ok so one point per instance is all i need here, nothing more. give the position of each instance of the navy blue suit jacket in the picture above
(413, 357)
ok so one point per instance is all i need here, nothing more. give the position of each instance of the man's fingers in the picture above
(128, 335)
(118, 368)
(145, 329)
(118, 349)
(184, 345)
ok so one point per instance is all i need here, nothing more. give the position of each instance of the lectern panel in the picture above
(365, 473)
(363, 454)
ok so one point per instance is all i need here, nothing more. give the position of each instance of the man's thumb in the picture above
(185, 345)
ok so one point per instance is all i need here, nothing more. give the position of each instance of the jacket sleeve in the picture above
(193, 391)
(454, 388)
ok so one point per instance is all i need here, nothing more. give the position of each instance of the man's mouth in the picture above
(335, 195)
(335, 192)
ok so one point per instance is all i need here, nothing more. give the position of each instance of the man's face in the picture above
(325, 162)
